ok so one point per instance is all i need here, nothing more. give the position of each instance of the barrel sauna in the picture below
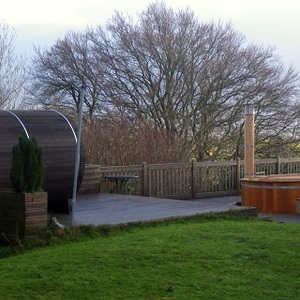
(56, 135)
(272, 194)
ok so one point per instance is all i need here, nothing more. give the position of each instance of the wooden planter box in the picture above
(22, 215)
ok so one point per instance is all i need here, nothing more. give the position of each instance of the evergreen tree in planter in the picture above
(27, 173)
(25, 208)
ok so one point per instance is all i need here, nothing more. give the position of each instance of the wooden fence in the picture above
(184, 180)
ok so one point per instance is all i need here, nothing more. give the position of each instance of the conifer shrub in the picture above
(27, 172)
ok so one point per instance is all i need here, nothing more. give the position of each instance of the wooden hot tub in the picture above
(271, 194)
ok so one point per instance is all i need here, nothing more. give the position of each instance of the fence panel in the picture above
(215, 177)
(289, 166)
(266, 166)
(170, 180)
(186, 180)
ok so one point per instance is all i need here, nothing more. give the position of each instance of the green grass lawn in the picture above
(196, 258)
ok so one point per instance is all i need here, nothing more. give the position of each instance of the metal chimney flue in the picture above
(249, 141)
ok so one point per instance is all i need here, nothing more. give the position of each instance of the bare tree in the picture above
(184, 77)
(12, 69)
(194, 79)
(58, 74)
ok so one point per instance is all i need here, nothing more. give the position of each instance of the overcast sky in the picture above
(264, 22)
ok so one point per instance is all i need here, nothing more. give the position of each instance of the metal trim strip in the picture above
(268, 187)
(20, 121)
(68, 122)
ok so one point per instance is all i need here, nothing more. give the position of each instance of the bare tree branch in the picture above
(12, 69)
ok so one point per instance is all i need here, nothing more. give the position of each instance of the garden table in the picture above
(120, 181)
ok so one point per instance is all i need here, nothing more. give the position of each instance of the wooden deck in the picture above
(99, 209)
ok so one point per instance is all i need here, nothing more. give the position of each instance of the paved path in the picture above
(280, 218)
(116, 209)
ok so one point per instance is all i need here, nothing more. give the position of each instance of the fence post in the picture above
(193, 179)
(145, 180)
(238, 176)
(278, 165)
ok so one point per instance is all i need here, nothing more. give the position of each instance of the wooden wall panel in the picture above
(55, 135)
